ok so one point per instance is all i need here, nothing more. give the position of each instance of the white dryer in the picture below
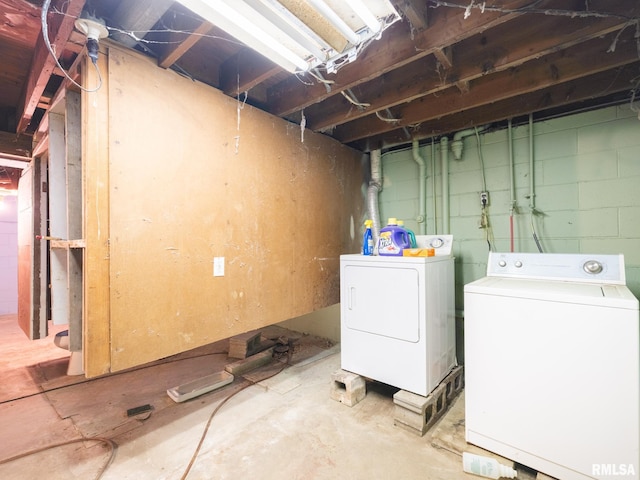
(398, 317)
(552, 364)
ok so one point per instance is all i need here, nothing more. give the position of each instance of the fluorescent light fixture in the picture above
(292, 26)
(335, 20)
(238, 19)
(365, 15)
(299, 34)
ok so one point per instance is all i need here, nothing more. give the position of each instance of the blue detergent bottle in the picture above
(393, 239)
(412, 236)
(367, 240)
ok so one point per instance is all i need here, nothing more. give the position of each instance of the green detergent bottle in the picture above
(412, 236)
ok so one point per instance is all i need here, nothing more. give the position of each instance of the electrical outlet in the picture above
(484, 199)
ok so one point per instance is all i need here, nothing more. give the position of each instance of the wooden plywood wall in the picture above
(192, 175)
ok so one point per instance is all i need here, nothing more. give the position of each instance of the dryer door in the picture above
(383, 300)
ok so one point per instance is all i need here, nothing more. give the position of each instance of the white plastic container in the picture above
(486, 467)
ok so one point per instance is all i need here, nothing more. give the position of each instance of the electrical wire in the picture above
(107, 441)
(47, 42)
(484, 180)
(388, 120)
(90, 380)
(540, 11)
(484, 216)
(351, 98)
(534, 234)
(112, 444)
(217, 409)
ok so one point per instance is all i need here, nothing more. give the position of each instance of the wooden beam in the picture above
(563, 66)
(20, 21)
(415, 11)
(444, 57)
(506, 46)
(137, 17)
(573, 92)
(42, 64)
(17, 147)
(398, 48)
(244, 71)
(177, 45)
(96, 229)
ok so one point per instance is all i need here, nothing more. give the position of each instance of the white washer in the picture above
(398, 317)
(552, 364)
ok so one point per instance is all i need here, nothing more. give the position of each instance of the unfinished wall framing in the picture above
(173, 179)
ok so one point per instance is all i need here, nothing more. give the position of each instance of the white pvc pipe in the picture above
(444, 151)
(433, 187)
(422, 195)
(456, 144)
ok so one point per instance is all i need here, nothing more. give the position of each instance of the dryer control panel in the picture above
(442, 244)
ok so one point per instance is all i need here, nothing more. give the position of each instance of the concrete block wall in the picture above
(586, 178)
(8, 255)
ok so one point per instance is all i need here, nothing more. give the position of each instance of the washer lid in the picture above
(557, 291)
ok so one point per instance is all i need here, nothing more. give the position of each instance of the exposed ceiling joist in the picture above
(42, 65)
(574, 92)
(15, 147)
(400, 48)
(466, 66)
(415, 11)
(520, 78)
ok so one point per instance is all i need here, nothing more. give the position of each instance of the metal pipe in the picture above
(444, 151)
(513, 188)
(433, 187)
(532, 193)
(422, 193)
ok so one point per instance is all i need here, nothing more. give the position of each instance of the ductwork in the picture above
(375, 187)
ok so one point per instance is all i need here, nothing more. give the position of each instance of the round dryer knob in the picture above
(518, 264)
(502, 263)
(592, 266)
(437, 242)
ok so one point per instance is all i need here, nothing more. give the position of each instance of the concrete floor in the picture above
(284, 427)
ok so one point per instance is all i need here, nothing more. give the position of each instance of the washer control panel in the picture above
(558, 266)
